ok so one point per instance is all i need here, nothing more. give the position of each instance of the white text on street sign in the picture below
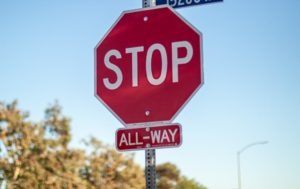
(185, 3)
(165, 136)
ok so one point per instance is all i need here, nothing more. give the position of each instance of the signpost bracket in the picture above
(149, 3)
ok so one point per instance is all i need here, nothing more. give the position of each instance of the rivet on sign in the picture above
(147, 113)
(147, 129)
(145, 18)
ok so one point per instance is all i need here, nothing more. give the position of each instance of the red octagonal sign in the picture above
(148, 65)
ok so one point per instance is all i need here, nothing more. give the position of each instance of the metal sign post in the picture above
(150, 169)
(150, 158)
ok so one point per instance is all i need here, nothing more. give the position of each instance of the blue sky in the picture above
(251, 91)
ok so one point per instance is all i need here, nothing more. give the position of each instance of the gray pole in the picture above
(239, 170)
(239, 160)
(150, 167)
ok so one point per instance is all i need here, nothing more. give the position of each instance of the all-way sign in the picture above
(139, 138)
(185, 3)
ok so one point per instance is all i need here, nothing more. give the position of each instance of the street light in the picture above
(238, 159)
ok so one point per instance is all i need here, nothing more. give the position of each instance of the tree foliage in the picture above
(169, 177)
(37, 155)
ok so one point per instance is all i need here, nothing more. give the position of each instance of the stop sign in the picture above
(148, 65)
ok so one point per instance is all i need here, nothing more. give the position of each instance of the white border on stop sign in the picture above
(141, 124)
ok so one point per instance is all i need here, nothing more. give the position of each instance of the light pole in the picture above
(238, 159)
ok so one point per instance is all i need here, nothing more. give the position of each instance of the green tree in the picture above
(186, 183)
(169, 177)
(37, 155)
(109, 169)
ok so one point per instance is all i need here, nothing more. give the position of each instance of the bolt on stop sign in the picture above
(148, 65)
